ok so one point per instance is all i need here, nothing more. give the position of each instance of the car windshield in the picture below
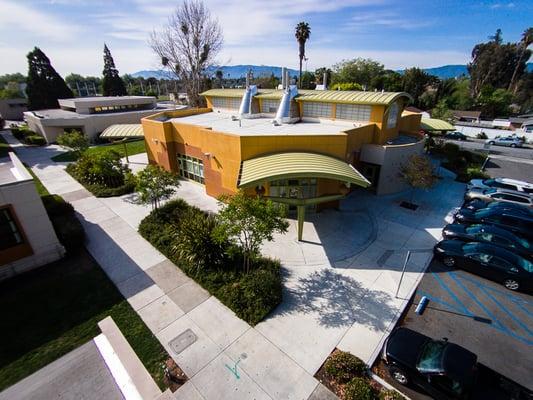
(489, 191)
(488, 182)
(470, 248)
(430, 359)
(471, 230)
(523, 242)
(483, 213)
(525, 264)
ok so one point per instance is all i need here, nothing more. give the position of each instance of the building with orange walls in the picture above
(333, 141)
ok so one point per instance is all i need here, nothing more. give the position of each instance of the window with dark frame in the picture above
(10, 235)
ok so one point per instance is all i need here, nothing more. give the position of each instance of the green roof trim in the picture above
(297, 165)
(322, 96)
(433, 124)
(123, 131)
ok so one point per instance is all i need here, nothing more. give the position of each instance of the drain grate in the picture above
(182, 341)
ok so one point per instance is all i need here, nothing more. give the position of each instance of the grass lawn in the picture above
(134, 147)
(50, 311)
(4, 147)
(38, 184)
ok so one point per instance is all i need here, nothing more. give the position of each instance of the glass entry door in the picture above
(304, 188)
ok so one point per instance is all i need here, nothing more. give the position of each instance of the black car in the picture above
(456, 136)
(478, 204)
(445, 370)
(511, 220)
(489, 234)
(492, 262)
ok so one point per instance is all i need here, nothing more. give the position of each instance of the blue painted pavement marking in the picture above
(444, 303)
(450, 292)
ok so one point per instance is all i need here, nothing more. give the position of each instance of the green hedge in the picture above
(251, 296)
(26, 135)
(68, 228)
(343, 366)
(100, 190)
(359, 389)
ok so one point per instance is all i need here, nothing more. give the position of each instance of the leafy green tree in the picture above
(16, 77)
(11, 91)
(308, 80)
(75, 141)
(44, 85)
(525, 54)
(346, 86)
(155, 184)
(302, 33)
(112, 84)
(359, 70)
(418, 173)
(319, 76)
(249, 221)
(441, 111)
(524, 93)
(415, 82)
(389, 81)
(494, 102)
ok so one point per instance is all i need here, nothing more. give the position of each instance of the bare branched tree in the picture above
(188, 45)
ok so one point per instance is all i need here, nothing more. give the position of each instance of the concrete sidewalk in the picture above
(339, 285)
(226, 358)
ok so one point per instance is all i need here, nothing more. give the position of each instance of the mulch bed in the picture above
(174, 376)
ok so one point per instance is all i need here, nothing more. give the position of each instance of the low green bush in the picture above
(19, 133)
(37, 140)
(359, 389)
(482, 135)
(451, 149)
(472, 173)
(343, 366)
(68, 228)
(390, 395)
(250, 295)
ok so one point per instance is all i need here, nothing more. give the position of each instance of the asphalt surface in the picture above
(480, 315)
(479, 144)
(79, 375)
(498, 168)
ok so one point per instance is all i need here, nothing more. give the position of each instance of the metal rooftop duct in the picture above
(283, 115)
(245, 109)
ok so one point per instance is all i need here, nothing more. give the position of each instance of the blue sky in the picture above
(399, 34)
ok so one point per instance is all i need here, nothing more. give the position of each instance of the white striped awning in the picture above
(118, 131)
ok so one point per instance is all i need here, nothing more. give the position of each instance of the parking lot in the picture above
(480, 315)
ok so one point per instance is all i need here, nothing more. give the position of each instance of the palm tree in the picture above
(303, 31)
(527, 40)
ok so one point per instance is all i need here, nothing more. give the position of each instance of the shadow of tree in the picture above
(339, 301)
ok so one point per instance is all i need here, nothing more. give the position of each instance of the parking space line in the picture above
(450, 292)
(444, 303)
(510, 295)
(505, 310)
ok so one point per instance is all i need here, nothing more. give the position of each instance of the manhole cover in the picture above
(181, 342)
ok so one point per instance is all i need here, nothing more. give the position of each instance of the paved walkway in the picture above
(340, 285)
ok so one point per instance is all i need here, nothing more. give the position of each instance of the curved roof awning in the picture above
(119, 131)
(297, 165)
(433, 124)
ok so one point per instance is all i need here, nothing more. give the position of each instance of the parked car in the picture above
(516, 222)
(504, 195)
(501, 183)
(456, 136)
(489, 234)
(487, 260)
(478, 204)
(508, 141)
(445, 370)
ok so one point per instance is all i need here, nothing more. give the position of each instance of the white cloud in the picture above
(16, 18)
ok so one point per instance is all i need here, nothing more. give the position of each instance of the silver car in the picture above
(494, 194)
(508, 141)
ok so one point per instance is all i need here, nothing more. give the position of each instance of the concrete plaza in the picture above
(340, 285)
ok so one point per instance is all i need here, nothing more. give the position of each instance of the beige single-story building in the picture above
(13, 109)
(90, 115)
(27, 237)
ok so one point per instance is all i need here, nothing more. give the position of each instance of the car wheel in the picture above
(491, 143)
(448, 261)
(511, 284)
(513, 145)
(399, 375)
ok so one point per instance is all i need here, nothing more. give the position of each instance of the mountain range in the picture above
(239, 71)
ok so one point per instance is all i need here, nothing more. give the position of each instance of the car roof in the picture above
(514, 182)
(494, 229)
(495, 250)
(506, 212)
(508, 191)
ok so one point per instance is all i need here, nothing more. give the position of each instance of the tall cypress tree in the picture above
(112, 84)
(44, 84)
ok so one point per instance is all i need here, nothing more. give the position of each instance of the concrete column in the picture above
(301, 219)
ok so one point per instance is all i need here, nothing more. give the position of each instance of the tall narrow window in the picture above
(191, 168)
(393, 115)
(9, 232)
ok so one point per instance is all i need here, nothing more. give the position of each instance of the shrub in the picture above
(37, 140)
(344, 366)
(74, 141)
(18, 133)
(103, 191)
(472, 173)
(254, 295)
(482, 135)
(451, 150)
(196, 243)
(358, 389)
(390, 395)
(68, 228)
(346, 86)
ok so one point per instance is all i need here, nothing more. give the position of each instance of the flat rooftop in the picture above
(221, 122)
(58, 113)
(12, 170)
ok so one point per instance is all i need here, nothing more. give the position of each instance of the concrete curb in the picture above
(133, 369)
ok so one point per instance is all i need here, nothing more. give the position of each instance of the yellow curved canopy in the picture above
(433, 124)
(297, 165)
(118, 131)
